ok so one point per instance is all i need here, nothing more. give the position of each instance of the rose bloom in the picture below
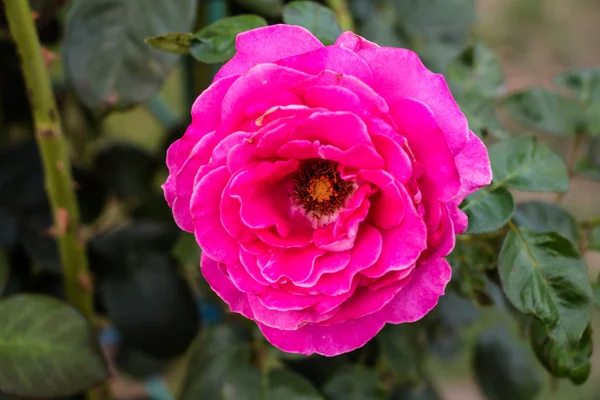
(322, 184)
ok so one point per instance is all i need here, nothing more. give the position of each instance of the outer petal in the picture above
(421, 294)
(221, 285)
(354, 42)
(399, 73)
(475, 172)
(268, 44)
(412, 303)
(427, 142)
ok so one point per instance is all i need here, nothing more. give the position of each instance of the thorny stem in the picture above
(57, 167)
(340, 7)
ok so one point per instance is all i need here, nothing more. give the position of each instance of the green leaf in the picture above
(470, 262)
(242, 383)
(354, 383)
(215, 43)
(524, 163)
(318, 19)
(285, 384)
(545, 111)
(270, 8)
(564, 361)
(594, 239)
(219, 352)
(481, 115)
(146, 298)
(402, 352)
(543, 274)
(543, 217)
(176, 42)
(488, 211)
(585, 84)
(436, 29)
(47, 349)
(105, 57)
(503, 369)
(477, 69)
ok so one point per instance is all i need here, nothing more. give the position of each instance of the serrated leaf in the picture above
(543, 217)
(543, 274)
(402, 352)
(175, 42)
(354, 383)
(47, 349)
(318, 19)
(564, 361)
(488, 211)
(594, 239)
(540, 109)
(285, 384)
(503, 369)
(215, 43)
(524, 163)
(270, 8)
(105, 57)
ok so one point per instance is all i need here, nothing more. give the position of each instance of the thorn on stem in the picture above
(86, 281)
(62, 221)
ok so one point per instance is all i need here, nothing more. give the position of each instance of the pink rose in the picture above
(323, 184)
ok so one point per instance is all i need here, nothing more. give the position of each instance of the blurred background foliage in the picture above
(164, 333)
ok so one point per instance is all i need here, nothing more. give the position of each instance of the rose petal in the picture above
(412, 303)
(222, 286)
(399, 73)
(402, 245)
(416, 122)
(268, 44)
(261, 88)
(210, 234)
(334, 58)
(352, 41)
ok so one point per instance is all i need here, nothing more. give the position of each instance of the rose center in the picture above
(320, 188)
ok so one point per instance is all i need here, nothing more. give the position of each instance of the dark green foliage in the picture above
(47, 349)
(523, 261)
(215, 43)
(320, 20)
(503, 368)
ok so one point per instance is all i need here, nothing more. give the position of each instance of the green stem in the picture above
(340, 7)
(57, 167)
